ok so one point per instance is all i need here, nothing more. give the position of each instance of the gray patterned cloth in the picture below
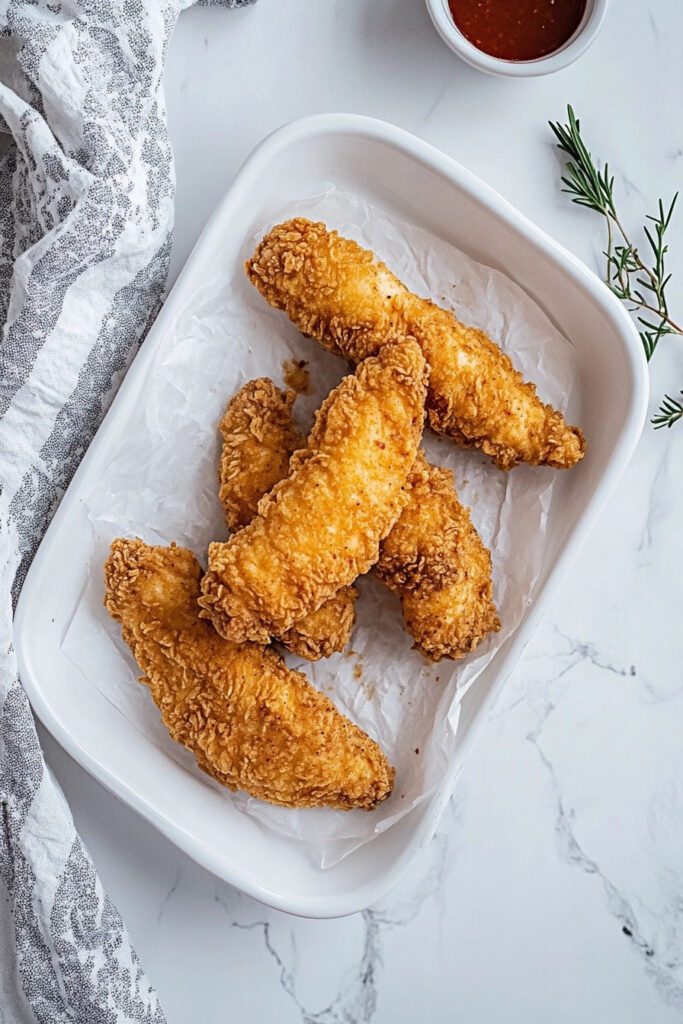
(86, 216)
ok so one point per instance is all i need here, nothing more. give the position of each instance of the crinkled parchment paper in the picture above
(161, 486)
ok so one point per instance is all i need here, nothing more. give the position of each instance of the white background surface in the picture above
(553, 891)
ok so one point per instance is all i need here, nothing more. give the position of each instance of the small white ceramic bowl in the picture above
(577, 44)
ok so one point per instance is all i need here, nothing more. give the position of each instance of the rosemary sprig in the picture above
(670, 412)
(638, 281)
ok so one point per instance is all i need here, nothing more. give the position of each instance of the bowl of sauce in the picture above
(518, 38)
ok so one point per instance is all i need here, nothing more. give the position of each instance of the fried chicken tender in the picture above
(251, 722)
(326, 630)
(342, 295)
(437, 564)
(433, 558)
(259, 439)
(321, 526)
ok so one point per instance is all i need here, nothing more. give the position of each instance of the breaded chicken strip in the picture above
(321, 526)
(340, 294)
(433, 558)
(326, 630)
(251, 722)
(259, 438)
(437, 564)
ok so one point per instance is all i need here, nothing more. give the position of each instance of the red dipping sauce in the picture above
(518, 29)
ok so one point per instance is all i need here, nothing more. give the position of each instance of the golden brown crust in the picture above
(321, 526)
(437, 564)
(259, 438)
(338, 293)
(251, 722)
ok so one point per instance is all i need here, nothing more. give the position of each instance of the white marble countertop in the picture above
(553, 892)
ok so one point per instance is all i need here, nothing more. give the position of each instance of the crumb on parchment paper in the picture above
(296, 375)
(368, 688)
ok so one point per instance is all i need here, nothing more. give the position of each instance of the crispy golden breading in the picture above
(437, 564)
(432, 558)
(321, 526)
(259, 438)
(340, 294)
(251, 722)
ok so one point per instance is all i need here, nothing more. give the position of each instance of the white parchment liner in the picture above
(161, 486)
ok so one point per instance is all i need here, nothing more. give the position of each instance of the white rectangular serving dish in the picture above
(422, 185)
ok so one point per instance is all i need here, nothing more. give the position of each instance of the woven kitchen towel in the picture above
(86, 216)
